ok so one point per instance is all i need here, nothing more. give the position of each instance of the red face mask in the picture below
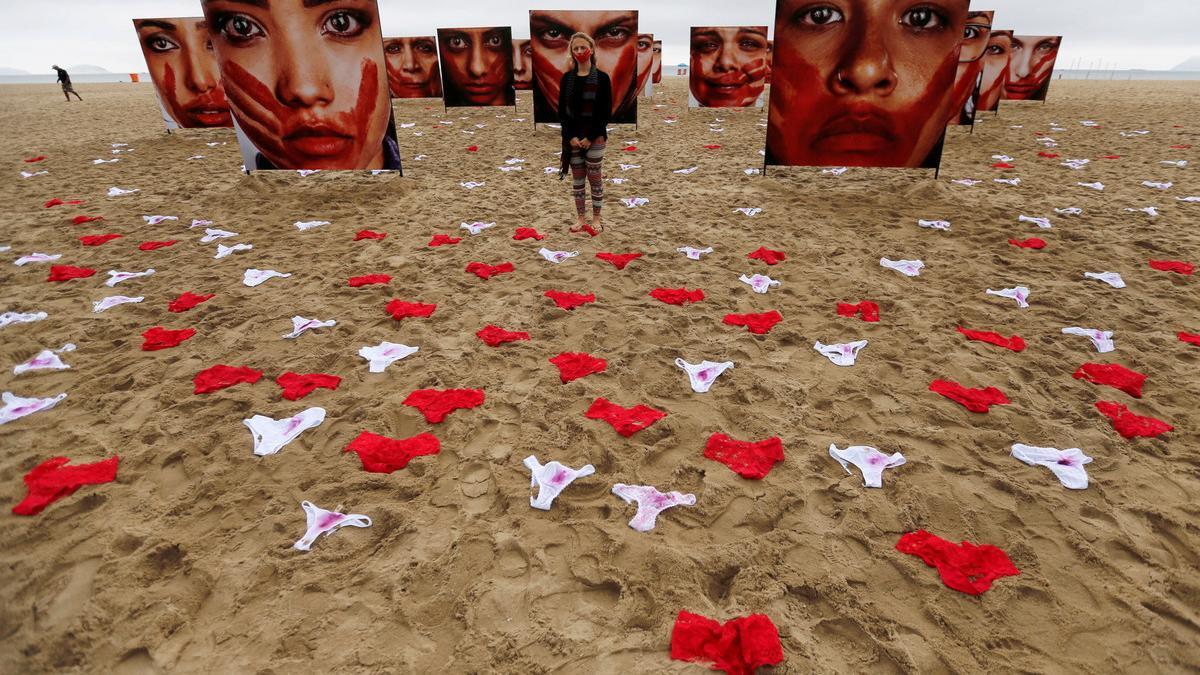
(583, 56)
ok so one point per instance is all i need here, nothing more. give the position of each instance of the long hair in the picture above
(591, 43)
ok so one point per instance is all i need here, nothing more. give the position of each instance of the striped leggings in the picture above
(594, 156)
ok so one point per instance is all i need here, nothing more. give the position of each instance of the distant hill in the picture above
(1191, 64)
(83, 69)
(13, 71)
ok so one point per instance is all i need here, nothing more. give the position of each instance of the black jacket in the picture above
(572, 126)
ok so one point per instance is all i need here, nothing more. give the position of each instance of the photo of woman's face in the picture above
(181, 62)
(970, 61)
(412, 67)
(657, 77)
(306, 80)
(1031, 65)
(477, 64)
(728, 66)
(863, 82)
(522, 64)
(645, 49)
(615, 33)
(995, 70)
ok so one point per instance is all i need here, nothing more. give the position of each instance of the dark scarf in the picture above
(591, 89)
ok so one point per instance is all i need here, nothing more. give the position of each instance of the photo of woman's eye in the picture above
(308, 82)
(969, 76)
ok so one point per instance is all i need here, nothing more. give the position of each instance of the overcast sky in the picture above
(1152, 34)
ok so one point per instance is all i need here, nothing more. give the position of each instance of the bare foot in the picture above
(597, 224)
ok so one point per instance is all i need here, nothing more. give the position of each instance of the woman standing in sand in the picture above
(584, 108)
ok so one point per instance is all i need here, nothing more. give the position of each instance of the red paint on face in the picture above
(209, 109)
(861, 88)
(303, 136)
(964, 87)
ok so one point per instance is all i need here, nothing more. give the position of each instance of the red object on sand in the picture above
(296, 385)
(59, 202)
(768, 256)
(369, 234)
(677, 296)
(570, 301)
(404, 310)
(1032, 242)
(1190, 338)
(964, 567)
(67, 272)
(631, 148)
(868, 309)
(1130, 425)
(738, 647)
(221, 377)
(712, 146)
(80, 220)
(51, 480)
(1049, 155)
(626, 421)
(752, 460)
(1110, 157)
(380, 454)
(759, 324)
(523, 233)
(619, 260)
(1003, 165)
(1112, 375)
(975, 400)
(574, 365)
(443, 240)
(155, 245)
(187, 301)
(1182, 146)
(160, 338)
(473, 148)
(32, 160)
(98, 239)
(488, 271)
(585, 228)
(1177, 266)
(369, 279)
(436, 404)
(1014, 343)
(495, 336)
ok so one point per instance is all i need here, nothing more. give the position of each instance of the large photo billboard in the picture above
(860, 83)
(995, 70)
(184, 70)
(412, 67)
(522, 64)
(477, 66)
(1031, 66)
(645, 78)
(729, 66)
(967, 80)
(616, 35)
(306, 81)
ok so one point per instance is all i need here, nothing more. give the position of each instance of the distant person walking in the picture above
(66, 84)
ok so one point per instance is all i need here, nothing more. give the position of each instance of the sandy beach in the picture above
(185, 563)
